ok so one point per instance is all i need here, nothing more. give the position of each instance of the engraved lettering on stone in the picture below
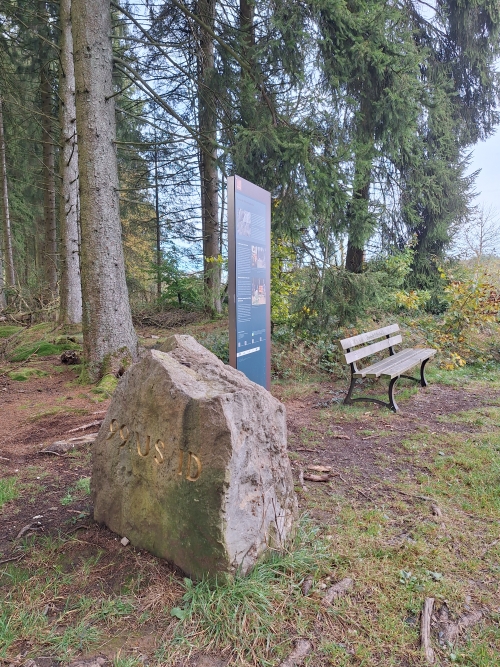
(197, 472)
(113, 428)
(122, 430)
(222, 517)
(148, 445)
(124, 434)
(181, 461)
(193, 466)
(159, 458)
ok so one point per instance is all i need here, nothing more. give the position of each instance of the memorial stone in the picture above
(191, 462)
